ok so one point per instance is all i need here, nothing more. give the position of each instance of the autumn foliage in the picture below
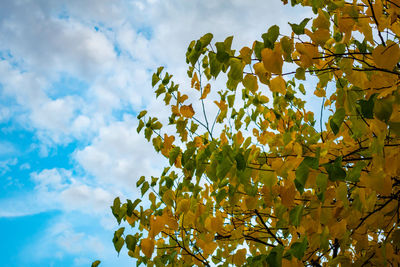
(261, 182)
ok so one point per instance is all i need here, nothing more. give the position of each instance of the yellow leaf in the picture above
(278, 85)
(239, 258)
(322, 21)
(272, 60)
(250, 82)
(245, 54)
(262, 74)
(308, 54)
(206, 91)
(147, 246)
(169, 197)
(188, 219)
(386, 57)
(187, 111)
(321, 36)
(183, 206)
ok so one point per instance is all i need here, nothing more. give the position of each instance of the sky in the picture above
(73, 76)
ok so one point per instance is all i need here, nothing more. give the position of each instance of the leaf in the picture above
(206, 91)
(335, 170)
(173, 154)
(299, 28)
(298, 249)
(386, 56)
(140, 181)
(367, 107)
(155, 79)
(337, 119)
(95, 263)
(239, 258)
(274, 257)
(187, 111)
(322, 183)
(145, 187)
(206, 39)
(278, 85)
(250, 82)
(118, 240)
(271, 36)
(354, 174)
(240, 162)
(131, 242)
(383, 109)
(147, 246)
(295, 215)
(303, 170)
(220, 195)
(272, 60)
(141, 114)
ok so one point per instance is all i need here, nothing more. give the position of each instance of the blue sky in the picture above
(73, 75)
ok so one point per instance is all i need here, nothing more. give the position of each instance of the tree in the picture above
(259, 183)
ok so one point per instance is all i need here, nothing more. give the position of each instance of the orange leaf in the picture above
(147, 246)
(195, 81)
(187, 111)
(206, 91)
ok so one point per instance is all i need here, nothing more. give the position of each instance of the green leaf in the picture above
(215, 65)
(295, 215)
(223, 168)
(367, 107)
(222, 55)
(144, 188)
(131, 242)
(298, 249)
(154, 79)
(220, 195)
(274, 258)
(271, 36)
(258, 46)
(140, 181)
(322, 183)
(394, 127)
(335, 170)
(140, 126)
(173, 154)
(95, 263)
(299, 28)
(236, 71)
(118, 240)
(337, 120)
(141, 114)
(383, 109)
(354, 174)
(206, 39)
(303, 170)
(240, 161)
(301, 75)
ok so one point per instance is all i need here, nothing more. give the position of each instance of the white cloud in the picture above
(119, 156)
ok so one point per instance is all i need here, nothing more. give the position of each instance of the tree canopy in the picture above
(261, 182)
